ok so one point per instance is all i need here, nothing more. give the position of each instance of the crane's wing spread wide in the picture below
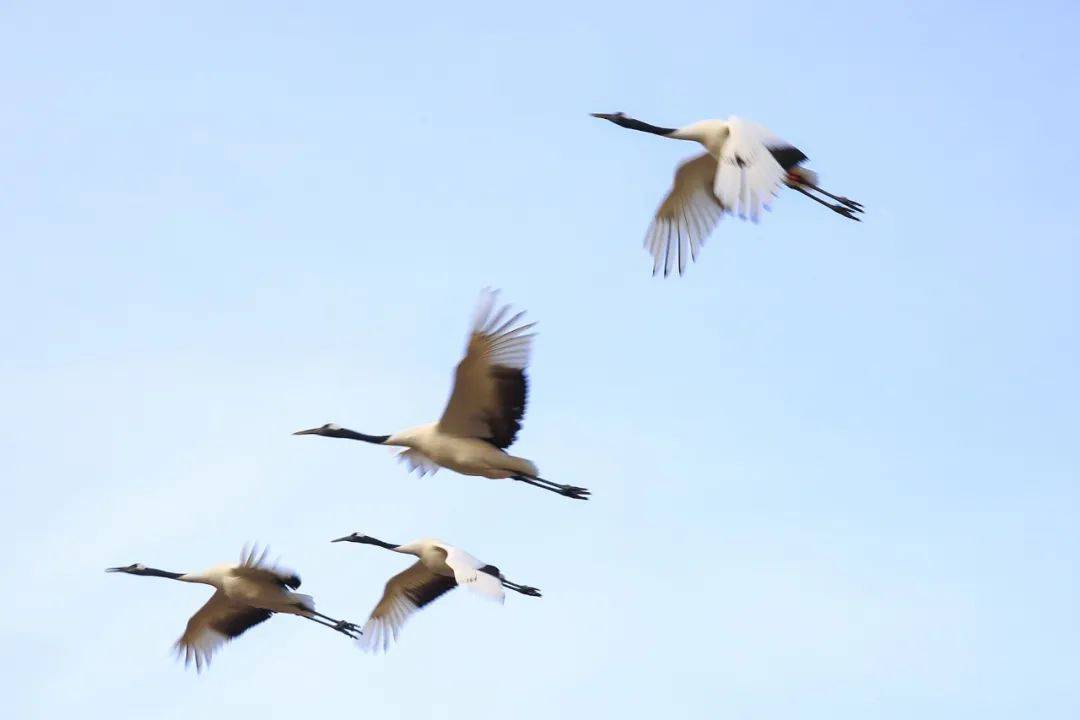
(213, 625)
(686, 218)
(405, 593)
(490, 386)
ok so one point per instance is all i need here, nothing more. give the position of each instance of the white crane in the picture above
(246, 594)
(484, 412)
(440, 568)
(742, 171)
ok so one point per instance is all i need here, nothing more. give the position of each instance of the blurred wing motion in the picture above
(418, 461)
(686, 218)
(405, 593)
(467, 572)
(253, 566)
(750, 170)
(490, 387)
(215, 623)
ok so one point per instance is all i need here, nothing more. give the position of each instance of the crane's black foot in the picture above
(857, 207)
(578, 493)
(846, 212)
(348, 628)
(526, 590)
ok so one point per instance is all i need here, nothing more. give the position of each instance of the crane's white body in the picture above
(746, 176)
(238, 591)
(431, 447)
(712, 134)
(256, 591)
(737, 174)
(449, 561)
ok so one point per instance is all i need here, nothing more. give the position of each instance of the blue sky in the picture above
(834, 467)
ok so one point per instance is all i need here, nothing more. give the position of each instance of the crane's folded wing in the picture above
(254, 566)
(468, 573)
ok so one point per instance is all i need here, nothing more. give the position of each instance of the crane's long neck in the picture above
(634, 124)
(384, 545)
(353, 435)
(154, 572)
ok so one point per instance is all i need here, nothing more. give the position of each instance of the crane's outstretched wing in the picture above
(752, 166)
(686, 218)
(490, 387)
(405, 593)
(213, 625)
(473, 574)
(253, 565)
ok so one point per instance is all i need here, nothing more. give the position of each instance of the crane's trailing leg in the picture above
(857, 207)
(571, 491)
(523, 589)
(845, 210)
(342, 626)
(332, 626)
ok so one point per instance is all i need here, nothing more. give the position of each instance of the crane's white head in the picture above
(334, 430)
(614, 117)
(133, 569)
(322, 430)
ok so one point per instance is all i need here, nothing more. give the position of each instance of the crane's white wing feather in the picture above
(473, 574)
(418, 461)
(490, 388)
(748, 176)
(214, 624)
(405, 593)
(686, 218)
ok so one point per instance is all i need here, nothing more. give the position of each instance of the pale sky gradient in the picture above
(835, 468)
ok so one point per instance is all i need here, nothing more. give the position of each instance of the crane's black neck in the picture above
(154, 572)
(375, 541)
(633, 124)
(366, 540)
(353, 435)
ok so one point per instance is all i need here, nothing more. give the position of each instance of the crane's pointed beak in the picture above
(312, 431)
(607, 116)
(347, 538)
(115, 569)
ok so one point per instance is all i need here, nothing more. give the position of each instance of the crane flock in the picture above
(741, 172)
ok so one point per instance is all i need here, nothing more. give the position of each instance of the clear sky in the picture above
(836, 468)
